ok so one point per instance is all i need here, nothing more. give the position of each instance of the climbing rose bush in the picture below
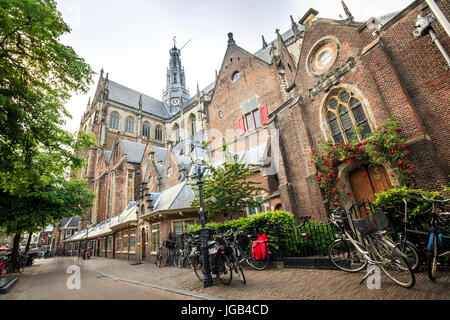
(386, 145)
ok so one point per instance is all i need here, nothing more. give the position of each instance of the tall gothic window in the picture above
(176, 132)
(345, 113)
(158, 133)
(146, 129)
(129, 125)
(114, 120)
(192, 124)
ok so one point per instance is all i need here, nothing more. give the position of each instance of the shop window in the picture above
(156, 237)
(179, 227)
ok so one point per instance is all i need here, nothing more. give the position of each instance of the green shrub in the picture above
(418, 214)
(245, 225)
(391, 202)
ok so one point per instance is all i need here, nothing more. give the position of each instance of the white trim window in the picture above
(255, 210)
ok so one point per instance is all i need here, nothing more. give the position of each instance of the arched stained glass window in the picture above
(146, 130)
(345, 112)
(114, 120)
(158, 133)
(129, 125)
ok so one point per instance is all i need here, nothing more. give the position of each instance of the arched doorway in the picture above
(368, 180)
(143, 244)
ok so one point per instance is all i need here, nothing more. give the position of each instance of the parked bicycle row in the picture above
(227, 252)
(24, 260)
(353, 240)
(371, 240)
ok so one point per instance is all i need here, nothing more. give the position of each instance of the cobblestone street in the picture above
(278, 284)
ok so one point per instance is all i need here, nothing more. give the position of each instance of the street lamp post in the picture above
(198, 161)
(87, 235)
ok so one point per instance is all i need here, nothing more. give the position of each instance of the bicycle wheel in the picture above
(344, 256)
(166, 259)
(257, 264)
(394, 265)
(158, 260)
(224, 270)
(411, 253)
(432, 257)
(177, 259)
(239, 271)
(197, 266)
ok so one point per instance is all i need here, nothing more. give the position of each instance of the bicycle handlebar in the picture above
(435, 200)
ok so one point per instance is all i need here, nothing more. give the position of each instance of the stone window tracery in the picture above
(344, 113)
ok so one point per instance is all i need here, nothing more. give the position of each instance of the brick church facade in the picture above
(313, 82)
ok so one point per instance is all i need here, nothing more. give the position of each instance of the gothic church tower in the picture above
(176, 92)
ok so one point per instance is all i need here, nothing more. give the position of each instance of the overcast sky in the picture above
(131, 39)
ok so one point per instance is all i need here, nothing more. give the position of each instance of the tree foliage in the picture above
(228, 189)
(37, 76)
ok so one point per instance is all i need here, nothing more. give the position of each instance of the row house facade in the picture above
(312, 83)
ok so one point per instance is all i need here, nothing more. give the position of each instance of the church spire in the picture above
(264, 42)
(176, 81)
(294, 27)
(347, 12)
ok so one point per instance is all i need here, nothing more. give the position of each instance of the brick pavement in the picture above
(279, 284)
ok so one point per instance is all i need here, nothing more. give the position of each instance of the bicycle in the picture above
(436, 235)
(229, 238)
(350, 255)
(189, 250)
(3, 266)
(159, 257)
(401, 240)
(259, 251)
(220, 264)
(171, 257)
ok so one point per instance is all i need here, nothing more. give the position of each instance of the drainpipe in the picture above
(439, 45)
(423, 25)
(439, 15)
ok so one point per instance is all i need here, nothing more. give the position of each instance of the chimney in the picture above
(230, 39)
(309, 18)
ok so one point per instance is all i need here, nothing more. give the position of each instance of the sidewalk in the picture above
(277, 284)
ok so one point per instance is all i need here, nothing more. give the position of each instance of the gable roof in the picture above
(264, 53)
(129, 97)
(176, 197)
(71, 223)
(133, 150)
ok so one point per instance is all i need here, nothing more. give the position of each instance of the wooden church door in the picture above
(369, 180)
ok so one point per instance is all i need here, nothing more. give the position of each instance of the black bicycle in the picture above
(159, 257)
(401, 240)
(219, 261)
(440, 226)
(171, 256)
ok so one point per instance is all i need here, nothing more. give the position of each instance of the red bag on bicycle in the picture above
(259, 249)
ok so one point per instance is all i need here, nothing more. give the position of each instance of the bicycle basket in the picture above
(372, 223)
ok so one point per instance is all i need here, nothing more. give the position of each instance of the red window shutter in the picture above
(264, 114)
(241, 126)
